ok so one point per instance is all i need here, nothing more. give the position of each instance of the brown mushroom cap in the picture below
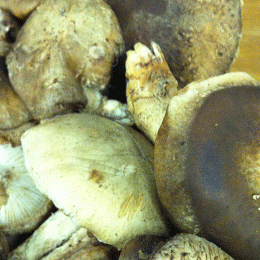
(171, 146)
(63, 54)
(198, 38)
(99, 173)
(222, 170)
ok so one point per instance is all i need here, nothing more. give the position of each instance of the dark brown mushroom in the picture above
(198, 38)
(222, 170)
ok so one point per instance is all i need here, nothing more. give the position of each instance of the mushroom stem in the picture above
(150, 87)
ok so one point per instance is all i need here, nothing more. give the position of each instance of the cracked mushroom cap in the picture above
(22, 205)
(188, 246)
(99, 173)
(63, 56)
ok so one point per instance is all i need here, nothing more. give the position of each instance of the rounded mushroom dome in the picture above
(98, 172)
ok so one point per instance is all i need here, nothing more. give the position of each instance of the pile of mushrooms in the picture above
(171, 173)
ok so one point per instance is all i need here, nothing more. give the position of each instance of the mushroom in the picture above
(150, 87)
(13, 112)
(13, 136)
(62, 58)
(99, 173)
(183, 142)
(141, 247)
(8, 31)
(14, 116)
(58, 238)
(188, 246)
(22, 206)
(198, 38)
(20, 8)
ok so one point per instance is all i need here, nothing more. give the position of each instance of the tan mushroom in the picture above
(99, 173)
(13, 112)
(62, 58)
(188, 246)
(22, 206)
(20, 8)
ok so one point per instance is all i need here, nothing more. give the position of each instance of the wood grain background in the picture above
(249, 54)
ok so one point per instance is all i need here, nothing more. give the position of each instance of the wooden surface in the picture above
(249, 54)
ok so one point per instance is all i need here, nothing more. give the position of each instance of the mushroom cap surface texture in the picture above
(13, 112)
(99, 173)
(20, 8)
(199, 39)
(63, 56)
(190, 247)
(222, 170)
(22, 205)
(174, 153)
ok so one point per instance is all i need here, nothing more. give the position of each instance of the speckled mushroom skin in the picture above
(222, 170)
(62, 58)
(198, 38)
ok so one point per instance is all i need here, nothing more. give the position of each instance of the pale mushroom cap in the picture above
(22, 206)
(98, 172)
